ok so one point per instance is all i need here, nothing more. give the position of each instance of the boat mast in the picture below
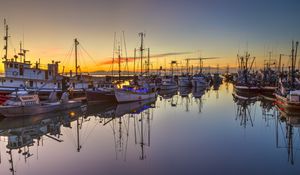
(148, 62)
(294, 53)
(78, 140)
(76, 66)
(142, 35)
(134, 61)
(113, 59)
(6, 39)
(119, 62)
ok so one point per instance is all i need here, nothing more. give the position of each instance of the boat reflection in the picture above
(244, 108)
(23, 133)
(198, 92)
(184, 91)
(119, 120)
(267, 104)
(167, 93)
(287, 136)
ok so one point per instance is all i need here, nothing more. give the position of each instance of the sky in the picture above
(175, 29)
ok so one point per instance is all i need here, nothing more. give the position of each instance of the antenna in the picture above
(76, 66)
(126, 65)
(142, 35)
(5, 39)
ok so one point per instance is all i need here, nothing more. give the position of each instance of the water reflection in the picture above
(287, 136)
(119, 120)
(21, 134)
(156, 131)
(245, 109)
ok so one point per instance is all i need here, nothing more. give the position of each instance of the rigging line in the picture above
(89, 133)
(12, 46)
(68, 54)
(68, 58)
(82, 58)
(88, 54)
(283, 134)
(68, 132)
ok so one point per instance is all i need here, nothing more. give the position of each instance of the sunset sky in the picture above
(175, 29)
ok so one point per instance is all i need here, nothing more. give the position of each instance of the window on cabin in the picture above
(16, 65)
(31, 83)
(41, 82)
(11, 81)
(10, 65)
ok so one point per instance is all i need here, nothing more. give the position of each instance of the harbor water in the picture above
(180, 132)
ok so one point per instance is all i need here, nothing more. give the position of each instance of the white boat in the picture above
(184, 81)
(19, 71)
(168, 83)
(288, 93)
(131, 93)
(199, 81)
(21, 104)
(290, 101)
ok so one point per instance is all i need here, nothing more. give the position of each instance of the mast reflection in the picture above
(288, 136)
(244, 104)
(21, 134)
(119, 120)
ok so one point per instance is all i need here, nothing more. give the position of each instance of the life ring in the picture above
(15, 73)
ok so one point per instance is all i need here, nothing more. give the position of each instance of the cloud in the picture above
(131, 59)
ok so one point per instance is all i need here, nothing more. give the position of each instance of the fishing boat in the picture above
(288, 93)
(19, 71)
(168, 81)
(269, 76)
(21, 104)
(217, 79)
(246, 80)
(101, 94)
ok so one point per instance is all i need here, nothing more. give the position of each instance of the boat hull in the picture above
(22, 111)
(249, 89)
(167, 87)
(127, 96)
(199, 83)
(184, 83)
(99, 96)
(284, 103)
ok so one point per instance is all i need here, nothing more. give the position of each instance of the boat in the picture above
(20, 72)
(288, 92)
(168, 82)
(185, 79)
(21, 104)
(136, 92)
(198, 92)
(290, 100)
(184, 91)
(104, 92)
(269, 76)
(246, 80)
(217, 80)
(133, 93)
(199, 80)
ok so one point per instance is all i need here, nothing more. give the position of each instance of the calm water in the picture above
(176, 134)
